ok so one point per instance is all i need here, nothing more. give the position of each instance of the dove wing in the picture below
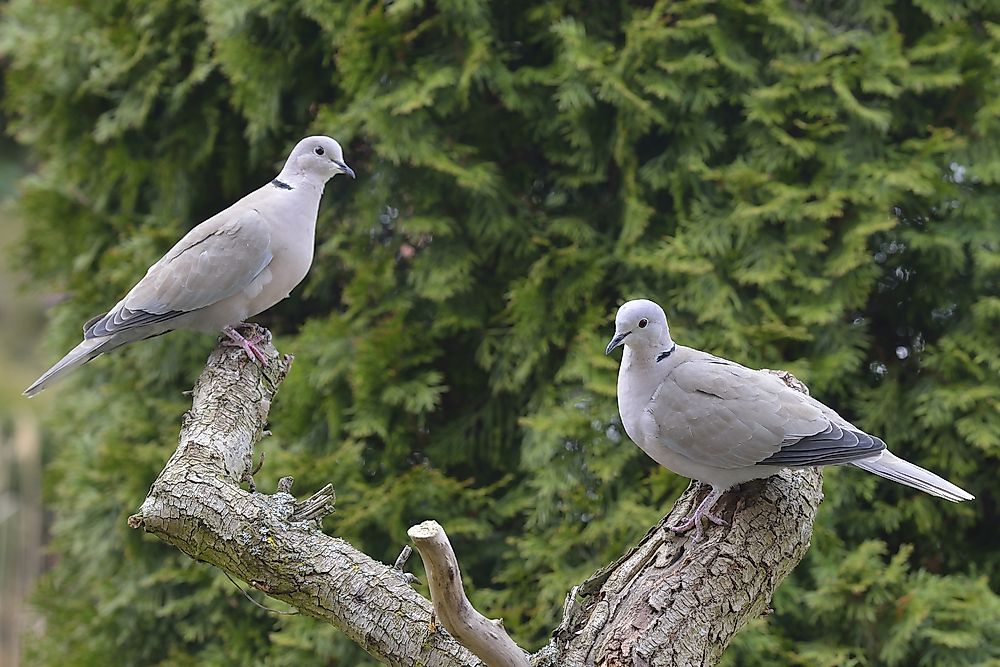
(728, 416)
(214, 261)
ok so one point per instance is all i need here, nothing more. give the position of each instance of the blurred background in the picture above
(22, 554)
(807, 186)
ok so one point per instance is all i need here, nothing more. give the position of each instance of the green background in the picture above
(807, 186)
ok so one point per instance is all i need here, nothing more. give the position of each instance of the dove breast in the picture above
(292, 246)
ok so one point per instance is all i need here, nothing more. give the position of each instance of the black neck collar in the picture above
(664, 355)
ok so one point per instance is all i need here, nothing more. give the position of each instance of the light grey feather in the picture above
(724, 424)
(706, 407)
(212, 262)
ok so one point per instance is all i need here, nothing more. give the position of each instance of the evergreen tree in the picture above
(803, 186)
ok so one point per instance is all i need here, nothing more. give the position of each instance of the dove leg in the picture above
(257, 337)
(702, 511)
(249, 346)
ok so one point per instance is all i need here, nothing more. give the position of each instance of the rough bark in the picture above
(197, 505)
(669, 602)
(665, 602)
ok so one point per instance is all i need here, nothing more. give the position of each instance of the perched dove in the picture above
(720, 423)
(234, 265)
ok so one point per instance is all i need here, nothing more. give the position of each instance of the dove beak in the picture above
(616, 341)
(344, 169)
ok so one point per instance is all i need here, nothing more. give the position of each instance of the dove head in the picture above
(316, 158)
(640, 324)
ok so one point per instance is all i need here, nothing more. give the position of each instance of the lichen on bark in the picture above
(666, 602)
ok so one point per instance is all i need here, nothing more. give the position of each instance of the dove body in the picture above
(723, 424)
(638, 378)
(291, 250)
(234, 265)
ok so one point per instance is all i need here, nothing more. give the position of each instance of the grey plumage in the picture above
(230, 267)
(214, 261)
(832, 445)
(716, 421)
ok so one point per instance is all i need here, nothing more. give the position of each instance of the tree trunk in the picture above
(667, 601)
(670, 603)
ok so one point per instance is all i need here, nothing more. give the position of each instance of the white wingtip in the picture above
(892, 467)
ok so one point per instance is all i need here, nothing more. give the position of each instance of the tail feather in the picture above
(892, 467)
(78, 356)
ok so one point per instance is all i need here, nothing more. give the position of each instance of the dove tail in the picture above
(892, 467)
(78, 356)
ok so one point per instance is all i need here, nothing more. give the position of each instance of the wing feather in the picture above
(213, 262)
(712, 410)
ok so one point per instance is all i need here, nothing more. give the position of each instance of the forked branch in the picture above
(665, 602)
(270, 541)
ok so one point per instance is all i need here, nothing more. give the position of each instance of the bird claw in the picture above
(687, 525)
(683, 526)
(694, 520)
(717, 520)
(255, 352)
(248, 345)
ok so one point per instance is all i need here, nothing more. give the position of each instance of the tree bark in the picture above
(667, 602)
(196, 504)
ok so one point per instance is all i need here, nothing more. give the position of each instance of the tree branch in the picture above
(670, 602)
(487, 639)
(665, 602)
(197, 505)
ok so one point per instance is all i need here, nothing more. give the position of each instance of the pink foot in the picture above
(248, 345)
(703, 511)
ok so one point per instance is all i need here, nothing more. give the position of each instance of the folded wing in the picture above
(213, 262)
(728, 416)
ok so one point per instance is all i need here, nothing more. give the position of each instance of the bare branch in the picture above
(403, 556)
(666, 602)
(197, 505)
(486, 638)
(316, 506)
(671, 602)
(400, 563)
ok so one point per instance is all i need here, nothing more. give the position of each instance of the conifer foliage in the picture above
(808, 186)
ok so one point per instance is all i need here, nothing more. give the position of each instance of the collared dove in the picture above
(236, 264)
(723, 424)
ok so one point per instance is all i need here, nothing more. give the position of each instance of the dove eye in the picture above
(319, 150)
(643, 322)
